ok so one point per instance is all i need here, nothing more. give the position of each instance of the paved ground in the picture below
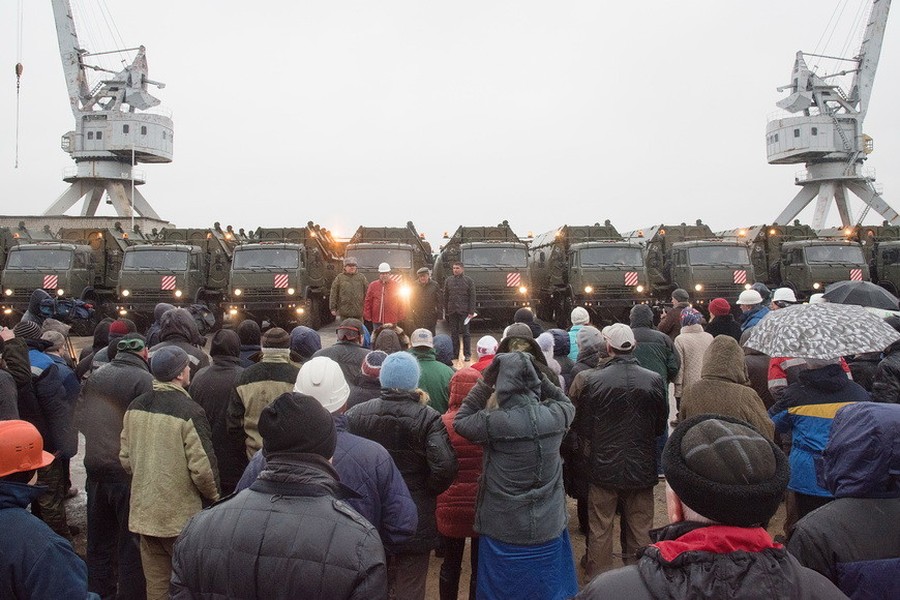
(76, 507)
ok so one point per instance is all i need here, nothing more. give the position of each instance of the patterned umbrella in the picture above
(821, 331)
(861, 293)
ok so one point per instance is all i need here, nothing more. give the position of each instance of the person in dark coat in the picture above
(34, 314)
(670, 323)
(86, 356)
(15, 371)
(369, 384)
(425, 302)
(348, 351)
(113, 552)
(251, 336)
(863, 368)
(152, 334)
(886, 381)
(591, 350)
(417, 440)
(178, 328)
(722, 321)
(305, 342)
(524, 315)
(621, 409)
(211, 389)
(443, 349)
(388, 341)
(459, 305)
(855, 539)
(758, 371)
(248, 545)
(35, 562)
(362, 465)
(561, 348)
(723, 482)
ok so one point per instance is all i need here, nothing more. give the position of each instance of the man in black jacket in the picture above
(620, 409)
(104, 399)
(348, 351)
(459, 305)
(425, 302)
(724, 480)
(248, 545)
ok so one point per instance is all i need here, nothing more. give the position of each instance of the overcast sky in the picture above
(449, 113)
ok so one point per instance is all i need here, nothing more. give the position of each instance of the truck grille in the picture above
(151, 296)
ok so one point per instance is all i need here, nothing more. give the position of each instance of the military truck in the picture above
(283, 276)
(77, 263)
(496, 260)
(401, 247)
(187, 268)
(795, 256)
(586, 265)
(692, 257)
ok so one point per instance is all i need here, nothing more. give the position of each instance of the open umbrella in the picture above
(821, 331)
(861, 293)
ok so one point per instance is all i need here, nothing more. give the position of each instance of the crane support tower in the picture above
(112, 130)
(827, 132)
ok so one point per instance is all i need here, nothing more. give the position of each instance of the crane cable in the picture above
(19, 69)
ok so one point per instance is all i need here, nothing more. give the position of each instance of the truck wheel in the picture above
(315, 312)
(564, 313)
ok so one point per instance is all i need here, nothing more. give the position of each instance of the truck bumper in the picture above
(293, 312)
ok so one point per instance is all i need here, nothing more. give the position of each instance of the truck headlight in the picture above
(699, 287)
(8, 292)
(232, 311)
(178, 293)
(817, 285)
(523, 290)
(639, 289)
(405, 291)
(300, 310)
(238, 291)
(60, 292)
(122, 312)
(588, 289)
(126, 293)
(291, 291)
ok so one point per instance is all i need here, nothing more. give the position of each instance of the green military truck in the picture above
(401, 247)
(76, 263)
(881, 248)
(694, 258)
(497, 261)
(184, 267)
(796, 257)
(283, 276)
(586, 265)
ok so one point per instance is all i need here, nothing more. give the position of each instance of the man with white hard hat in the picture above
(383, 304)
(751, 304)
(782, 298)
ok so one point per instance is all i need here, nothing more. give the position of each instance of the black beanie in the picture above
(297, 423)
(249, 332)
(225, 343)
(725, 470)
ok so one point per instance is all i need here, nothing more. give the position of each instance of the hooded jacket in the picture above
(724, 388)
(177, 328)
(34, 313)
(443, 349)
(561, 348)
(654, 349)
(415, 437)
(691, 344)
(290, 535)
(758, 372)
(693, 561)
(806, 410)
(456, 506)
(521, 499)
(152, 334)
(855, 539)
(42, 402)
(35, 563)
(434, 378)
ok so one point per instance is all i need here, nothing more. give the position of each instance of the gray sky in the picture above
(449, 113)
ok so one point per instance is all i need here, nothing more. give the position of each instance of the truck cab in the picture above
(369, 255)
(500, 273)
(154, 273)
(710, 269)
(807, 266)
(61, 269)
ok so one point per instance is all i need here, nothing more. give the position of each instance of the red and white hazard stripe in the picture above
(51, 282)
(740, 276)
(631, 278)
(167, 283)
(513, 280)
(281, 280)
(398, 277)
(855, 275)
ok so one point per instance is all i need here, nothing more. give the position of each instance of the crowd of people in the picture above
(273, 467)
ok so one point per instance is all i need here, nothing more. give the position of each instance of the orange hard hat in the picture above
(21, 448)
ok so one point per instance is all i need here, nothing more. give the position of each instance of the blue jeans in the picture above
(113, 552)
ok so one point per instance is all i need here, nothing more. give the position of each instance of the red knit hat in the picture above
(119, 327)
(719, 307)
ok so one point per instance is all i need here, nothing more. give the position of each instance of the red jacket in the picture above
(483, 362)
(383, 303)
(456, 506)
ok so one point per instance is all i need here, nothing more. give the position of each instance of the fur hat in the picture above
(400, 371)
(580, 316)
(371, 366)
(276, 338)
(486, 346)
(299, 424)
(323, 379)
(725, 470)
(168, 362)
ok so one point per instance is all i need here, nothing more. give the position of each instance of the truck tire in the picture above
(315, 312)
(564, 313)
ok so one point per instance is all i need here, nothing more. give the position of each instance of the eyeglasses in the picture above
(132, 345)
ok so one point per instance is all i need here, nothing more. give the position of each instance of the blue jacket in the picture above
(365, 467)
(43, 402)
(806, 410)
(35, 563)
(855, 539)
(753, 317)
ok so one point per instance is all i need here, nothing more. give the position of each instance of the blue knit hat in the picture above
(400, 370)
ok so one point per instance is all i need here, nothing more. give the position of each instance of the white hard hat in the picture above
(784, 294)
(817, 299)
(323, 379)
(384, 268)
(749, 297)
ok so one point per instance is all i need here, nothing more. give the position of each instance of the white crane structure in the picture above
(827, 133)
(110, 135)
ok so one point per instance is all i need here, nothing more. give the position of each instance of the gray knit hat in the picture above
(725, 470)
(168, 362)
(28, 330)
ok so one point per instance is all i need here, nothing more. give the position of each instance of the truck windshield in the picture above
(499, 256)
(156, 260)
(718, 255)
(834, 254)
(611, 256)
(40, 258)
(370, 258)
(267, 258)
